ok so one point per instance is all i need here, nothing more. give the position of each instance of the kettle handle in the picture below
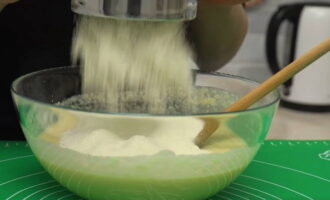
(289, 13)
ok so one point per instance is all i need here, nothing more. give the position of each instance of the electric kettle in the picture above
(307, 24)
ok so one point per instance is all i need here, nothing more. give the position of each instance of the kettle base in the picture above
(305, 107)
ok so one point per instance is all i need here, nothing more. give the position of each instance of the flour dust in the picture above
(134, 66)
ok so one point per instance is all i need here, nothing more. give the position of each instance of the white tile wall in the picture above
(251, 60)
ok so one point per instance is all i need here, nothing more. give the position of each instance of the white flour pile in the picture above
(166, 137)
(134, 66)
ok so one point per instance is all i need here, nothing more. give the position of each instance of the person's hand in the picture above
(218, 32)
(4, 3)
(253, 3)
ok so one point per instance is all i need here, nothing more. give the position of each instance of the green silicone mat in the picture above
(288, 170)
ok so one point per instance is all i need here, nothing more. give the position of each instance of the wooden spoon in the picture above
(268, 86)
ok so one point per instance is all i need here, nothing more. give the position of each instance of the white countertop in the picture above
(291, 124)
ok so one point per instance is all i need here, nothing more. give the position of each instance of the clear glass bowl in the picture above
(161, 176)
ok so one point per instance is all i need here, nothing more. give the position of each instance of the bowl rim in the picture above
(217, 74)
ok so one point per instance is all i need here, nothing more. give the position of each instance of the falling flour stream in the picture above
(134, 66)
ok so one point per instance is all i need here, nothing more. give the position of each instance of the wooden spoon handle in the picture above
(280, 77)
(269, 85)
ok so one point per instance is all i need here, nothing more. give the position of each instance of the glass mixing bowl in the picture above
(236, 139)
